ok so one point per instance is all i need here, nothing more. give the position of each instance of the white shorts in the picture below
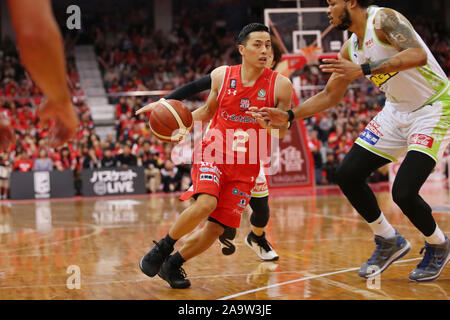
(261, 189)
(393, 133)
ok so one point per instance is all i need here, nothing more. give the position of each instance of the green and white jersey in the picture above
(405, 90)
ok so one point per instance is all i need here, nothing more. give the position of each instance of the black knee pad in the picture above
(412, 174)
(261, 212)
(343, 173)
(357, 166)
(401, 194)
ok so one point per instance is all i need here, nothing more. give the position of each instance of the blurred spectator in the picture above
(329, 168)
(65, 160)
(126, 158)
(5, 172)
(23, 162)
(43, 162)
(170, 178)
(108, 160)
(152, 164)
(90, 159)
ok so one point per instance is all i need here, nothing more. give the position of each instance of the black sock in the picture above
(176, 260)
(169, 240)
(258, 237)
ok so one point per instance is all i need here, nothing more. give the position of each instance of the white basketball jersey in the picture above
(406, 90)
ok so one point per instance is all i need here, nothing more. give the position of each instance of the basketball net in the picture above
(291, 62)
(311, 54)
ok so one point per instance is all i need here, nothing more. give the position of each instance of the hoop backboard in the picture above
(298, 28)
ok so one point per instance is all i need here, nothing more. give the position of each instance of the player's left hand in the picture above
(147, 108)
(343, 67)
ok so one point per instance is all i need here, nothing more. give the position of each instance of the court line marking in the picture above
(145, 279)
(96, 231)
(365, 293)
(300, 280)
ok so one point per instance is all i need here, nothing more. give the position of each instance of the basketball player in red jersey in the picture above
(259, 202)
(222, 189)
(42, 54)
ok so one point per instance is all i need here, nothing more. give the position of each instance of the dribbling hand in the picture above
(147, 108)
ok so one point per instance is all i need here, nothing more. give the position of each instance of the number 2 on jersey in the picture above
(240, 138)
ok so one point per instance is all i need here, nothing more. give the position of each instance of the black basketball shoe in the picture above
(153, 260)
(174, 275)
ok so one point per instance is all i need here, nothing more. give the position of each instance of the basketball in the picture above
(171, 121)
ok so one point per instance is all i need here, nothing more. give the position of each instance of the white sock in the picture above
(381, 227)
(437, 237)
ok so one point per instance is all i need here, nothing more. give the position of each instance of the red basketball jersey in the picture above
(236, 137)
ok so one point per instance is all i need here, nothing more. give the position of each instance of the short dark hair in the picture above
(252, 27)
(364, 3)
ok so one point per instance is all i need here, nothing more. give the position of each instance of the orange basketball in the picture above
(170, 120)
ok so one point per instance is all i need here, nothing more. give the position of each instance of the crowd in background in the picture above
(133, 57)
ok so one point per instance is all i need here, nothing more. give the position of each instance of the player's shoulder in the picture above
(384, 11)
(219, 71)
(283, 81)
(217, 76)
(283, 87)
(387, 17)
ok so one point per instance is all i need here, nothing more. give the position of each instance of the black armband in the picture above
(366, 69)
(191, 88)
(291, 117)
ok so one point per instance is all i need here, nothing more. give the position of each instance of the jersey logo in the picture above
(370, 137)
(244, 103)
(233, 92)
(233, 83)
(374, 127)
(421, 140)
(206, 177)
(369, 43)
(382, 78)
(224, 115)
(262, 94)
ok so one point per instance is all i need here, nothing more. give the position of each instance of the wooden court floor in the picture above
(45, 246)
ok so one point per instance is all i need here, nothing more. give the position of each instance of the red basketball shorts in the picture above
(230, 184)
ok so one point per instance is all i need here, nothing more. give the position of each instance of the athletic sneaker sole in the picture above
(395, 257)
(144, 272)
(435, 276)
(251, 247)
(186, 286)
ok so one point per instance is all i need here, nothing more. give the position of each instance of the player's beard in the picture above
(346, 21)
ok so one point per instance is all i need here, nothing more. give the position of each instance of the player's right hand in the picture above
(66, 121)
(6, 133)
(147, 108)
(273, 117)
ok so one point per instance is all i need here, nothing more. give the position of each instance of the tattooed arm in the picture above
(393, 28)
